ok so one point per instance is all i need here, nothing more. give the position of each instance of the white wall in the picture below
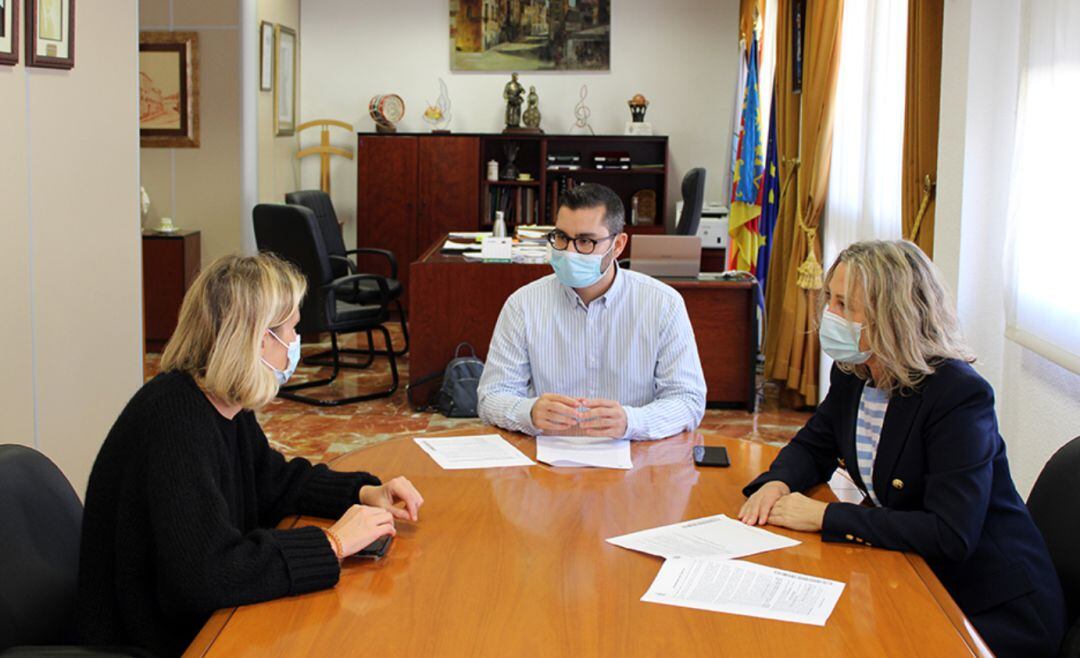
(70, 256)
(1038, 403)
(681, 54)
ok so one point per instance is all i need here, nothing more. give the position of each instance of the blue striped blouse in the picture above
(634, 345)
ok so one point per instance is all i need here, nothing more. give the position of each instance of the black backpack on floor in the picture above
(457, 397)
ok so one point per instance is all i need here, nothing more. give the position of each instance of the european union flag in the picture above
(769, 200)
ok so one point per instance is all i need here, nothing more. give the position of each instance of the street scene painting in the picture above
(530, 35)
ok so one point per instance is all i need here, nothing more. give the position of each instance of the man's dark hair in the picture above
(591, 195)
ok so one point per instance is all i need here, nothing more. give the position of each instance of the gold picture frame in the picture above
(169, 89)
(285, 53)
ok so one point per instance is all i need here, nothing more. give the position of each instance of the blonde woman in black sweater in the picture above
(186, 493)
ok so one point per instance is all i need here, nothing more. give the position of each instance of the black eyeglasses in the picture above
(561, 242)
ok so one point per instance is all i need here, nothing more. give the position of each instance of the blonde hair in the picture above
(223, 319)
(911, 322)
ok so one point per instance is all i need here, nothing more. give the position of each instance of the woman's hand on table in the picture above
(758, 507)
(360, 525)
(798, 512)
(388, 495)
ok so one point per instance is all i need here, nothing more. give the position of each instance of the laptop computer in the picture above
(672, 256)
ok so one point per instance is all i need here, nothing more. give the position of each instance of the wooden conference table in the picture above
(513, 562)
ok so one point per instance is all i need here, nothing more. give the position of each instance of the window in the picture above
(1042, 250)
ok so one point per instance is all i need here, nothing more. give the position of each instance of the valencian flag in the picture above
(746, 184)
(769, 200)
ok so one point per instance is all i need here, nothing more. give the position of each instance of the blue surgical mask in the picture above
(840, 339)
(577, 270)
(294, 359)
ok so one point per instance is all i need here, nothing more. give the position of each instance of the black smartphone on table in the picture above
(376, 549)
(711, 456)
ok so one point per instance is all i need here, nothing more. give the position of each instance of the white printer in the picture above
(713, 229)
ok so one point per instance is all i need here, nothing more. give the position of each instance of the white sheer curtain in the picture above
(868, 132)
(1043, 244)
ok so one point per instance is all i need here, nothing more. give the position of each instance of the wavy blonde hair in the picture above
(911, 322)
(223, 319)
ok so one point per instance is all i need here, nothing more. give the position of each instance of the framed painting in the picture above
(9, 32)
(285, 81)
(266, 56)
(530, 35)
(50, 33)
(169, 89)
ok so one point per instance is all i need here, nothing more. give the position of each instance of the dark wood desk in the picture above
(170, 263)
(455, 300)
(512, 562)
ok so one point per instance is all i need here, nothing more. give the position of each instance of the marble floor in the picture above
(321, 434)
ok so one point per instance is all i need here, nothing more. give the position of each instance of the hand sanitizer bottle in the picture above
(499, 229)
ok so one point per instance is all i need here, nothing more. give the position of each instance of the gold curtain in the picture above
(794, 342)
(786, 107)
(921, 109)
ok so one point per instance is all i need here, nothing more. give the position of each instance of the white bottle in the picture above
(499, 228)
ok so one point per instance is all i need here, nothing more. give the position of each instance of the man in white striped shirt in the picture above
(593, 349)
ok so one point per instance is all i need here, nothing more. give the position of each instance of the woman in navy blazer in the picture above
(940, 479)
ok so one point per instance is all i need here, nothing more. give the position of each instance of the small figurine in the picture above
(438, 115)
(512, 94)
(532, 113)
(582, 114)
(638, 104)
(510, 172)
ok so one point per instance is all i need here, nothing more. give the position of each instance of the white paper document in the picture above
(745, 588)
(461, 452)
(583, 451)
(712, 536)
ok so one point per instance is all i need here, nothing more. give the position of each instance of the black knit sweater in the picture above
(180, 516)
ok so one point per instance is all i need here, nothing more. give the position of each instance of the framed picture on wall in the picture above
(169, 89)
(285, 82)
(266, 56)
(9, 32)
(50, 33)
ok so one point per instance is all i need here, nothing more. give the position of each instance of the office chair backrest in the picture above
(1055, 505)
(693, 195)
(319, 203)
(39, 550)
(292, 232)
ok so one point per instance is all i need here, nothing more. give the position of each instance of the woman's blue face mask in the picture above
(294, 359)
(840, 339)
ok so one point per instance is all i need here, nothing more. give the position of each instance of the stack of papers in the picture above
(462, 452)
(465, 236)
(712, 536)
(583, 451)
(700, 572)
(745, 588)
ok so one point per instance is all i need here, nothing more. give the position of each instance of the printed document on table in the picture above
(745, 588)
(461, 452)
(711, 536)
(583, 451)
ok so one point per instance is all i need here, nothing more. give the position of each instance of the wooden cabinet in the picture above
(170, 264)
(410, 191)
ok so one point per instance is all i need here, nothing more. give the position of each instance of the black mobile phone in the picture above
(376, 549)
(711, 456)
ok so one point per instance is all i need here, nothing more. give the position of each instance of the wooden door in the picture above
(449, 188)
(386, 207)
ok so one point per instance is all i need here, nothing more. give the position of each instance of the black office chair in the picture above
(693, 196)
(359, 292)
(1055, 506)
(292, 232)
(39, 558)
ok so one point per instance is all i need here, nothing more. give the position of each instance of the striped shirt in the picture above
(633, 345)
(872, 408)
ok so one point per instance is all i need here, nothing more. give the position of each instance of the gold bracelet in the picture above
(335, 544)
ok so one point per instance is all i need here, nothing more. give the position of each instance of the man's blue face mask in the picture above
(578, 270)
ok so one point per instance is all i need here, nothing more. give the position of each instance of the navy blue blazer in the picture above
(943, 480)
